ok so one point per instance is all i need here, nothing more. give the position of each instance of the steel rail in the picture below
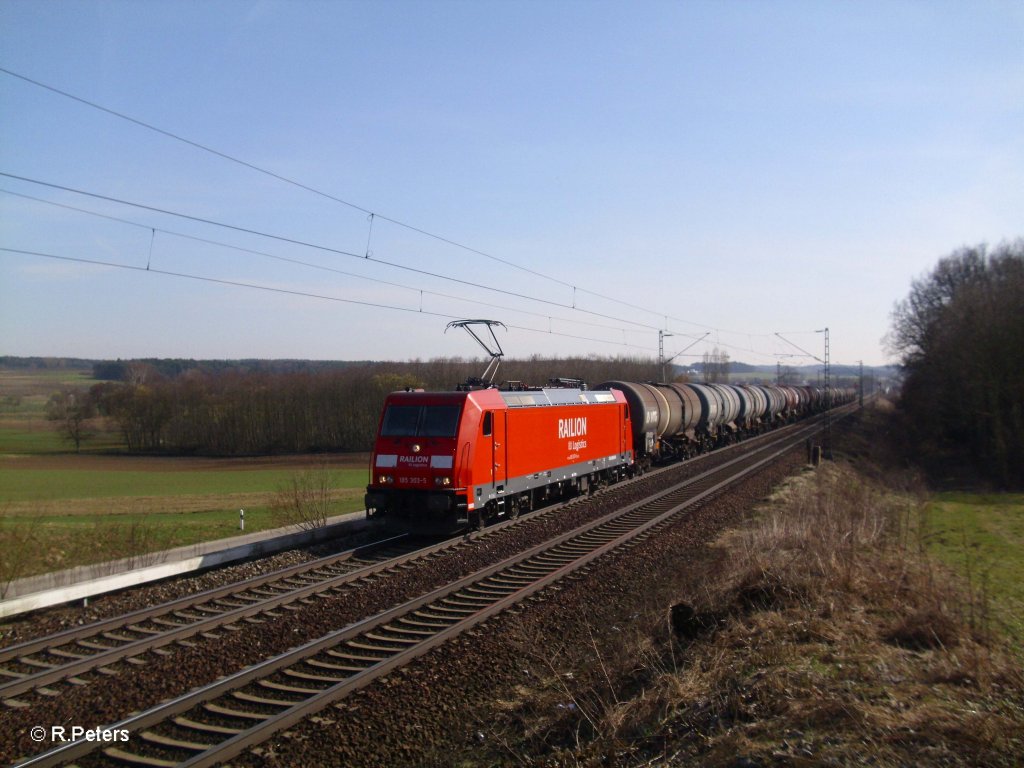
(94, 656)
(96, 652)
(105, 625)
(373, 647)
(96, 645)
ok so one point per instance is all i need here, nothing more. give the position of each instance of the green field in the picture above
(52, 543)
(981, 536)
(52, 518)
(47, 485)
(37, 440)
(24, 428)
(59, 508)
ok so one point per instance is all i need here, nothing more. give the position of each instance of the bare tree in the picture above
(234, 411)
(716, 367)
(787, 376)
(19, 549)
(305, 500)
(960, 334)
(71, 410)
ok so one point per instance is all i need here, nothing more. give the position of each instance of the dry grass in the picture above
(828, 639)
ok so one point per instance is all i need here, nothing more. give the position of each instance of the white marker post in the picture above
(241, 519)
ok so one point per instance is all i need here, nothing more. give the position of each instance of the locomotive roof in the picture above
(555, 396)
(514, 399)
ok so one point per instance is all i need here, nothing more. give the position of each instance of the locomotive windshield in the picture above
(420, 421)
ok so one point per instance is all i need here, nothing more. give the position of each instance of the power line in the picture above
(292, 182)
(336, 251)
(371, 214)
(311, 265)
(291, 292)
(809, 354)
(328, 249)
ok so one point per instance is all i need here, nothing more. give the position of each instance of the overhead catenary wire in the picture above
(808, 354)
(332, 250)
(372, 215)
(279, 177)
(320, 267)
(310, 265)
(354, 206)
(316, 246)
(291, 292)
(299, 262)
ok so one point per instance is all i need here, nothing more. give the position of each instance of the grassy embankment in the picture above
(60, 509)
(981, 536)
(850, 622)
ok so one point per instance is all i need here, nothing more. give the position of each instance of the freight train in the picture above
(466, 457)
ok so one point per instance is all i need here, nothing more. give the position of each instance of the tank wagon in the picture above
(676, 421)
(444, 459)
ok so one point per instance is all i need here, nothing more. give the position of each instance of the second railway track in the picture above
(44, 661)
(215, 722)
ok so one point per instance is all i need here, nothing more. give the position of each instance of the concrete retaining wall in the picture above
(87, 581)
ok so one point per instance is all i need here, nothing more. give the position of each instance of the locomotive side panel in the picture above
(558, 444)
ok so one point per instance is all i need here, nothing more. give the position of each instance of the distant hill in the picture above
(800, 373)
(46, 363)
(114, 370)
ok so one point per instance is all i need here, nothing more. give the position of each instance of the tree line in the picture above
(960, 335)
(237, 411)
(122, 370)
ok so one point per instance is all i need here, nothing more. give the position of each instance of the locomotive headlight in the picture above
(445, 480)
(385, 480)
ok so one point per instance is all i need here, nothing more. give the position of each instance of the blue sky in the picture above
(734, 169)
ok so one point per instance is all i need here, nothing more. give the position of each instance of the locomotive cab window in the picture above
(488, 423)
(439, 421)
(420, 421)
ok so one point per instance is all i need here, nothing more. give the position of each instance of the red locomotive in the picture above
(447, 458)
(442, 459)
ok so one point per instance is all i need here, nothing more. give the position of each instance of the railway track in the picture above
(218, 721)
(43, 664)
(44, 661)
